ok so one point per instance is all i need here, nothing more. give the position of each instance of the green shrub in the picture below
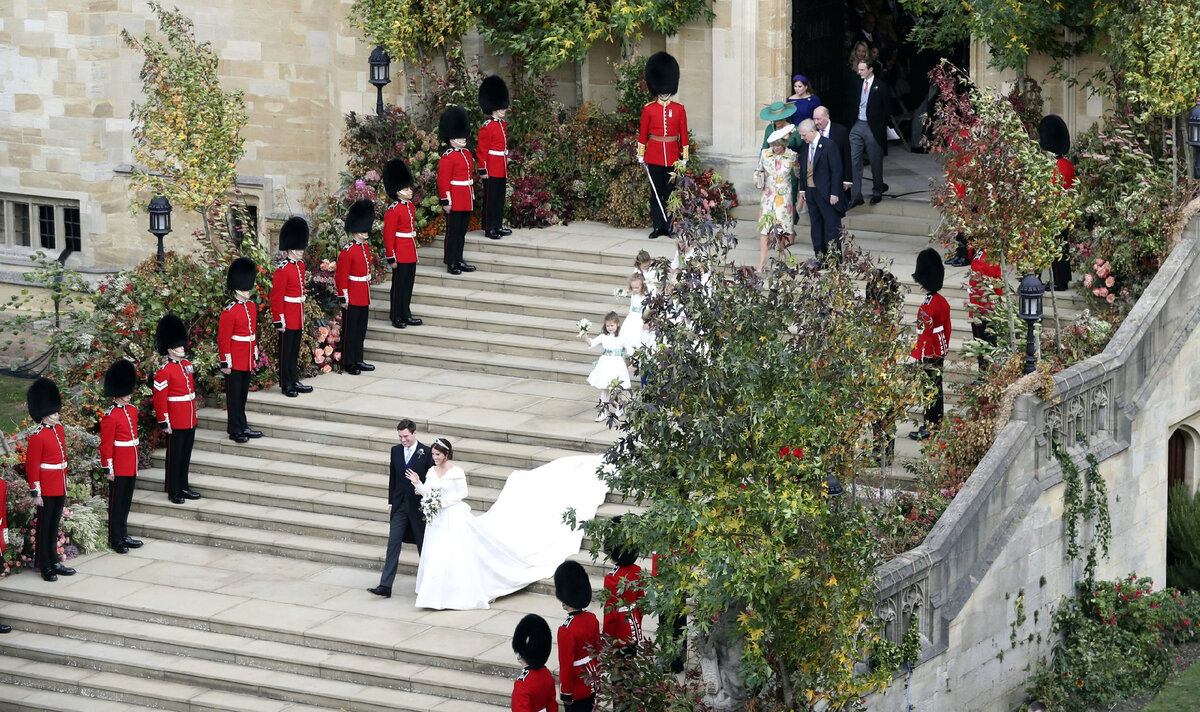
(1183, 539)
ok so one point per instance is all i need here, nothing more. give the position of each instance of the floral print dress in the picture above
(774, 178)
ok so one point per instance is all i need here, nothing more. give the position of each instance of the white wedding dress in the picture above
(469, 561)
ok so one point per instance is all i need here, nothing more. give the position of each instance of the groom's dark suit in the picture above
(406, 522)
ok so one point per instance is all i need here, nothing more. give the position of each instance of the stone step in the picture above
(466, 296)
(501, 364)
(604, 246)
(367, 671)
(488, 278)
(566, 347)
(27, 698)
(580, 267)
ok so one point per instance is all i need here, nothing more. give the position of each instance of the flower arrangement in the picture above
(431, 504)
(584, 326)
(620, 293)
(1102, 282)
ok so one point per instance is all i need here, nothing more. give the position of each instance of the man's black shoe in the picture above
(398, 323)
(352, 370)
(492, 234)
(176, 500)
(290, 393)
(958, 262)
(856, 203)
(301, 388)
(504, 232)
(63, 570)
(5, 629)
(252, 434)
(466, 267)
(132, 543)
(365, 366)
(239, 437)
(413, 321)
(121, 548)
(453, 269)
(189, 494)
(920, 434)
(884, 189)
(385, 591)
(654, 234)
(875, 199)
(49, 575)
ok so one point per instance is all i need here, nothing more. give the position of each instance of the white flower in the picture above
(620, 293)
(431, 504)
(584, 326)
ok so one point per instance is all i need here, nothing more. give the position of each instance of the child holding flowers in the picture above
(610, 367)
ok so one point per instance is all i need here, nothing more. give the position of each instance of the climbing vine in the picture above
(1086, 496)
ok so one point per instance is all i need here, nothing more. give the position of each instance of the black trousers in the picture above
(936, 408)
(960, 246)
(587, 704)
(661, 185)
(824, 222)
(457, 222)
(289, 356)
(354, 332)
(403, 277)
(48, 515)
(493, 203)
(179, 459)
(120, 499)
(1060, 269)
(237, 387)
(399, 524)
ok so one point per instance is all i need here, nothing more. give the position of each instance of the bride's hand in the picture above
(412, 476)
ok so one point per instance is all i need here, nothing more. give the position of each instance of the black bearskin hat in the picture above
(120, 379)
(454, 123)
(241, 274)
(361, 217)
(43, 399)
(396, 177)
(294, 234)
(531, 640)
(493, 94)
(170, 333)
(622, 556)
(1053, 135)
(930, 272)
(571, 585)
(662, 74)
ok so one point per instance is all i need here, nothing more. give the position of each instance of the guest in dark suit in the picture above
(869, 133)
(404, 504)
(840, 136)
(821, 176)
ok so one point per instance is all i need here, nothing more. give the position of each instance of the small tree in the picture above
(413, 29)
(759, 392)
(187, 132)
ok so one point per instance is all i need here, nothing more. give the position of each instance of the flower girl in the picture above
(645, 266)
(610, 367)
(631, 327)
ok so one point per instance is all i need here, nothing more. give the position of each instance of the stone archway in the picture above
(1181, 458)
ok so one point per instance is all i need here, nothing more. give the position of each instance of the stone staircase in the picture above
(253, 598)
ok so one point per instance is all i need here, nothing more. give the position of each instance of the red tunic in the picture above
(46, 461)
(493, 149)
(175, 395)
(934, 319)
(456, 180)
(983, 274)
(4, 520)
(622, 619)
(533, 691)
(119, 440)
(666, 121)
(1066, 173)
(353, 276)
(578, 639)
(287, 295)
(237, 340)
(400, 233)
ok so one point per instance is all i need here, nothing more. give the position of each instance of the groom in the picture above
(404, 504)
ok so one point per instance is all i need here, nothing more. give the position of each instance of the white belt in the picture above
(496, 153)
(251, 337)
(939, 329)
(405, 234)
(624, 609)
(582, 661)
(59, 466)
(126, 443)
(294, 300)
(181, 399)
(462, 182)
(356, 278)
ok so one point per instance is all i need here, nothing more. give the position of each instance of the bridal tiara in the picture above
(443, 442)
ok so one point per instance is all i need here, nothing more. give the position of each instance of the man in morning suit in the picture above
(404, 504)
(821, 177)
(840, 136)
(869, 133)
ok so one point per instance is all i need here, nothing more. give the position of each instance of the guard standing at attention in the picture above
(287, 303)
(175, 405)
(493, 154)
(46, 472)
(237, 347)
(456, 185)
(578, 637)
(662, 136)
(353, 284)
(533, 690)
(400, 241)
(933, 318)
(119, 451)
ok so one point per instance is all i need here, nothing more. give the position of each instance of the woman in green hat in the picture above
(779, 115)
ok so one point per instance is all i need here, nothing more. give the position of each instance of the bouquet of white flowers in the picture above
(620, 293)
(431, 504)
(584, 325)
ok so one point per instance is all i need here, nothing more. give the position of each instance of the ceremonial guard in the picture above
(493, 154)
(578, 637)
(46, 472)
(933, 341)
(287, 303)
(4, 628)
(662, 136)
(622, 618)
(237, 347)
(175, 405)
(456, 185)
(1054, 137)
(533, 690)
(119, 451)
(400, 240)
(353, 283)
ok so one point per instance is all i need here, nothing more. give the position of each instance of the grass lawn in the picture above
(1178, 695)
(12, 402)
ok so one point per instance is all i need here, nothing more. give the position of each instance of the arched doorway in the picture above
(1180, 457)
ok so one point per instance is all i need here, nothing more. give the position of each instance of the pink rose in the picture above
(1110, 281)
(1111, 298)
(1097, 291)
(326, 369)
(1087, 280)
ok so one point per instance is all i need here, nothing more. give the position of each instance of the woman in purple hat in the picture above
(806, 102)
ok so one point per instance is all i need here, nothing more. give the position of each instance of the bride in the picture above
(468, 561)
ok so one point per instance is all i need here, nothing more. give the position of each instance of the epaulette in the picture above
(521, 677)
(110, 409)
(280, 264)
(229, 306)
(347, 246)
(567, 622)
(449, 151)
(393, 205)
(485, 123)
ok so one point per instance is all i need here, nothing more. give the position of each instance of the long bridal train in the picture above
(469, 561)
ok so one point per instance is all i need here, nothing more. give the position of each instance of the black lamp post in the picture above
(1030, 293)
(1193, 138)
(160, 223)
(381, 67)
(834, 487)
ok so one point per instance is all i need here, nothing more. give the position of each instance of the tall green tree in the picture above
(187, 130)
(413, 30)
